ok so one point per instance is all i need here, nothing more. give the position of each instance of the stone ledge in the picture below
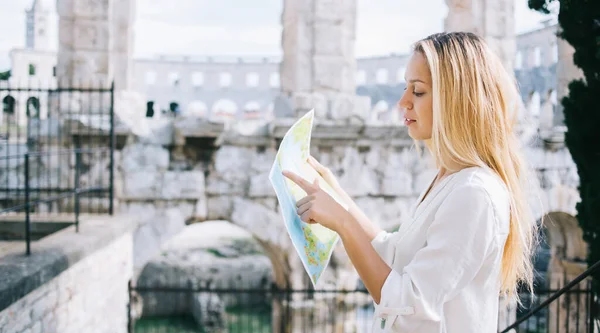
(20, 274)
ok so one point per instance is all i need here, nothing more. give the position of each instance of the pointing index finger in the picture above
(306, 186)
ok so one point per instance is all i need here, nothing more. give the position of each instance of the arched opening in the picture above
(33, 107)
(9, 105)
(534, 104)
(213, 254)
(252, 109)
(196, 109)
(547, 110)
(225, 108)
(174, 108)
(380, 110)
(150, 109)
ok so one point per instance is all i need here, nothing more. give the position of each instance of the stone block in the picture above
(95, 9)
(182, 185)
(219, 207)
(329, 39)
(232, 159)
(228, 184)
(144, 157)
(141, 184)
(330, 10)
(329, 74)
(398, 184)
(209, 311)
(266, 225)
(260, 186)
(91, 35)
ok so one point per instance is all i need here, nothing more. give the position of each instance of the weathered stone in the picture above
(263, 223)
(229, 184)
(423, 180)
(201, 209)
(260, 186)
(232, 160)
(209, 311)
(141, 184)
(219, 207)
(357, 179)
(182, 185)
(144, 157)
(155, 231)
(398, 184)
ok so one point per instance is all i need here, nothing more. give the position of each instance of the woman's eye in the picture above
(418, 94)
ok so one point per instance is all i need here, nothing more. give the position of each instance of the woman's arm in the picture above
(370, 266)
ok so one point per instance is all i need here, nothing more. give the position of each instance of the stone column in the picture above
(122, 43)
(318, 68)
(84, 51)
(491, 19)
(566, 71)
(95, 43)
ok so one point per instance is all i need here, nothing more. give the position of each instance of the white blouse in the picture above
(446, 260)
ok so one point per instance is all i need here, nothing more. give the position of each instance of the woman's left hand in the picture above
(318, 206)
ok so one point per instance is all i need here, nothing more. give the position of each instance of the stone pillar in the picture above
(568, 252)
(566, 71)
(318, 68)
(95, 43)
(122, 43)
(84, 34)
(491, 19)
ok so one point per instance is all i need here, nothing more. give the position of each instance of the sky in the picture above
(253, 28)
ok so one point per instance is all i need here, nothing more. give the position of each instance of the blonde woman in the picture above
(470, 237)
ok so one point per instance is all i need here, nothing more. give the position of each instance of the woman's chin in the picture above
(415, 134)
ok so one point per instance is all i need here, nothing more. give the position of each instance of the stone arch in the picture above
(252, 109)
(565, 237)
(225, 108)
(534, 104)
(548, 108)
(9, 105)
(196, 109)
(150, 109)
(379, 110)
(382, 76)
(9, 114)
(33, 107)
(567, 255)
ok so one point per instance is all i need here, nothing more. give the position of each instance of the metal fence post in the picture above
(27, 208)
(111, 180)
(76, 185)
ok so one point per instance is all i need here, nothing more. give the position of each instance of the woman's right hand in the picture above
(329, 177)
(370, 229)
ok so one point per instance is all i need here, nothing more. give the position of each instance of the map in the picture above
(313, 242)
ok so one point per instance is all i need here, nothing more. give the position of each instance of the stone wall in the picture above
(85, 295)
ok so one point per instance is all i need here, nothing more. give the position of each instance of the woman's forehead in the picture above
(417, 68)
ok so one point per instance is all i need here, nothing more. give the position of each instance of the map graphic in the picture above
(313, 242)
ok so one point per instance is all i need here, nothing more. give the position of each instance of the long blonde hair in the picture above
(475, 107)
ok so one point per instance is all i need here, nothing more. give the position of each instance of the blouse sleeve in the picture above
(458, 242)
(382, 245)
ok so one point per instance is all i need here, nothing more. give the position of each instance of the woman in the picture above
(470, 238)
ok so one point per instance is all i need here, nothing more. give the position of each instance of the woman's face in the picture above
(416, 104)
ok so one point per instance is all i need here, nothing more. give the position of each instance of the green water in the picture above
(237, 320)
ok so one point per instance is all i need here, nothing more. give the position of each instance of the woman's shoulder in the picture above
(489, 187)
(481, 178)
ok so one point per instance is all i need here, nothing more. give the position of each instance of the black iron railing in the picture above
(572, 308)
(238, 309)
(56, 158)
